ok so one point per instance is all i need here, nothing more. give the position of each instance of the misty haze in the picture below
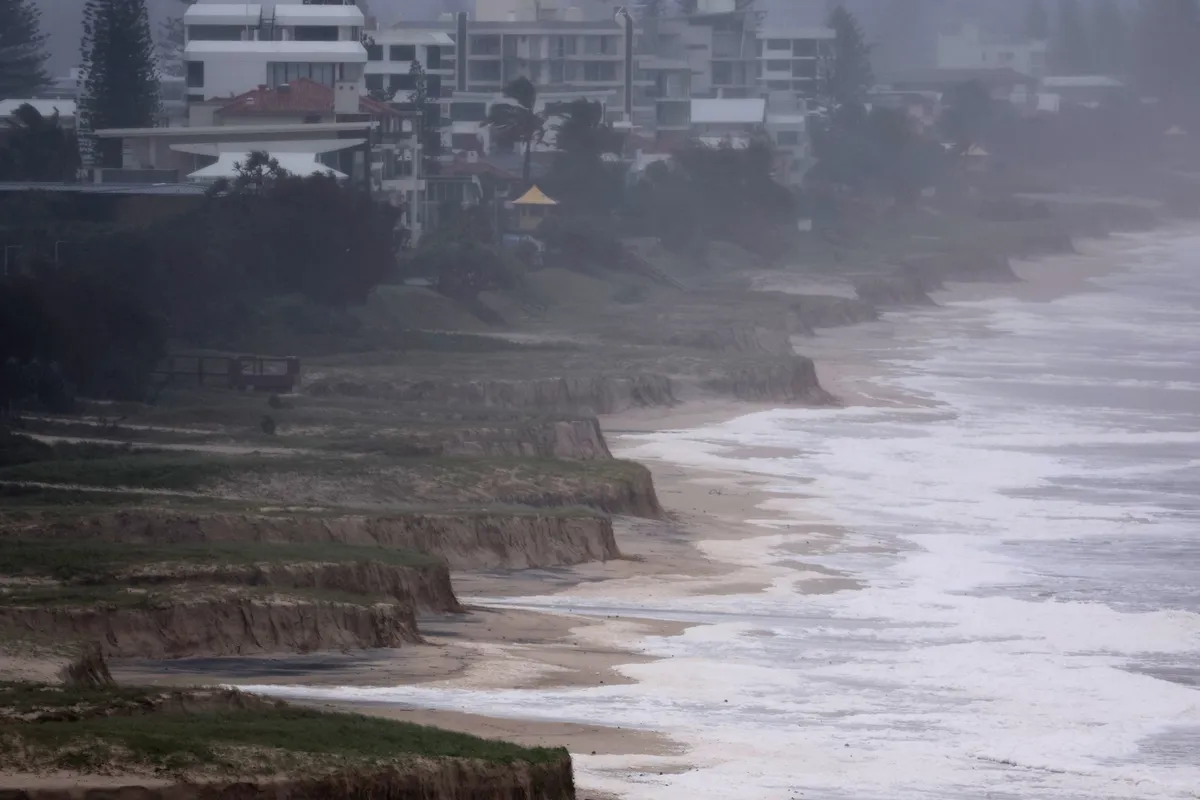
(600, 399)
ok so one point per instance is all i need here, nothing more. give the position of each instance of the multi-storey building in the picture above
(971, 48)
(391, 53)
(234, 47)
(790, 59)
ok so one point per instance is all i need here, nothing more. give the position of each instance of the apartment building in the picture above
(391, 52)
(972, 48)
(789, 59)
(567, 59)
(232, 48)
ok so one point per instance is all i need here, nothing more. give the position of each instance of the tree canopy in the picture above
(22, 50)
(121, 85)
(517, 122)
(848, 75)
(37, 148)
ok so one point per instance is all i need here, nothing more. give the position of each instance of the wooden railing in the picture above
(256, 373)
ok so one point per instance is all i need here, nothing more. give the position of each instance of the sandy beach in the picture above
(696, 551)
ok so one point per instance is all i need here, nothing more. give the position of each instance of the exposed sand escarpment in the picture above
(469, 540)
(422, 779)
(225, 623)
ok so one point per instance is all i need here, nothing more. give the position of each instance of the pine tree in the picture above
(22, 50)
(848, 74)
(171, 41)
(1071, 51)
(1110, 39)
(1037, 21)
(120, 89)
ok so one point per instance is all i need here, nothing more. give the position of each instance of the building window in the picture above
(468, 112)
(804, 48)
(483, 70)
(433, 57)
(778, 66)
(1006, 58)
(215, 33)
(316, 33)
(283, 73)
(787, 138)
(374, 83)
(433, 86)
(485, 45)
(779, 44)
(403, 52)
(599, 71)
(402, 83)
(556, 72)
(600, 45)
(562, 46)
(722, 74)
(195, 74)
(804, 69)
(779, 86)
(374, 52)
(312, 119)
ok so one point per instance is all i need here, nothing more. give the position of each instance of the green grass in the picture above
(147, 469)
(178, 740)
(91, 560)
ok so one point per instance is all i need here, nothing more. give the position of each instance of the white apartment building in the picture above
(391, 52)
(790, 59)
(232, 48)
(970, 48)
(560, 57)
(545, 10)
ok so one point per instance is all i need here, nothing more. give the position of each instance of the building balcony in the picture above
(293, 51)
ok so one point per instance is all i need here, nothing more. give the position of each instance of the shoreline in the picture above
(691, 553)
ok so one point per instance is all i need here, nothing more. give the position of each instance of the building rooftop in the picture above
(301, 96)
(741, 110)
(225, 131)
(1081, 82)
(302, 164)
(47, 108)
(812, 32)
(223, 14)
(319, 15)
(534, 197)
(476, 26)
(946, 78)
(349, 52)
(105, 188)
(406, 35)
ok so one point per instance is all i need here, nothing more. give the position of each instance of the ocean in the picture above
(1027, 540)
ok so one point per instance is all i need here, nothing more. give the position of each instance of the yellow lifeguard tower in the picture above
(533, 207)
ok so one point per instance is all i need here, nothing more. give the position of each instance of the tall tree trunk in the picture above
(528, 166)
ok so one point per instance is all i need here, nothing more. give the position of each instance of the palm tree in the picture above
(517, 122)
(582, 130)
(37, 148)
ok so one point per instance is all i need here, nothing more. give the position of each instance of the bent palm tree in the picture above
(34, 147)
(581, 129)
(517, 122)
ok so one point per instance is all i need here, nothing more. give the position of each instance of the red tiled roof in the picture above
(302, 96)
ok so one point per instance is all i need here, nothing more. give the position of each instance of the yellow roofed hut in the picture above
(533, 207)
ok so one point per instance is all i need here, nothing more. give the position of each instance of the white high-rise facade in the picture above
(235, 47)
